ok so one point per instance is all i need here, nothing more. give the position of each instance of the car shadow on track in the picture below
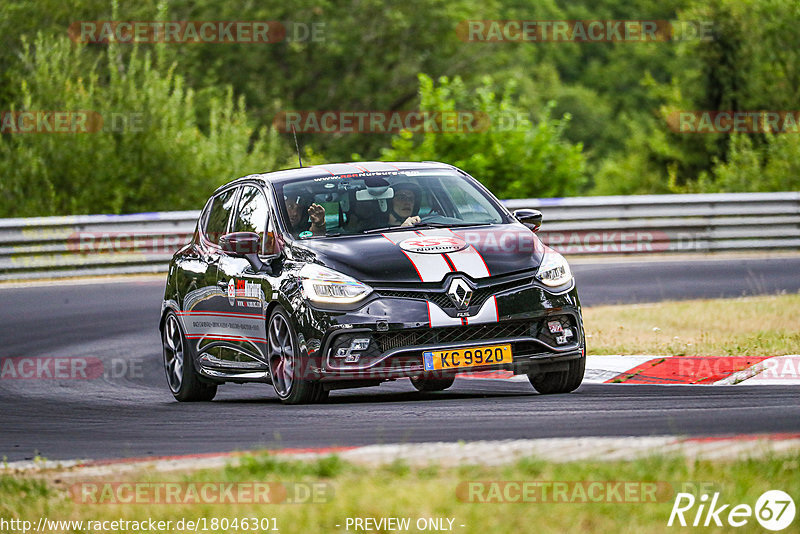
(364, 397)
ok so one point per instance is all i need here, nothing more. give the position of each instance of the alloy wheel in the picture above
(281, 355)
(173, 353)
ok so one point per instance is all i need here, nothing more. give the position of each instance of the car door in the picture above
(247, 292)
(203, 299)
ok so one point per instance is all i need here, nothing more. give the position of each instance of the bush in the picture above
(512, 157)
(773, 165)
(156, 157)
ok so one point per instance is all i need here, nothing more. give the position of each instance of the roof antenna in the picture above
(294, 133)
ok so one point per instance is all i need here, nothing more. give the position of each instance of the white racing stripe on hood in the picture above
(434, 267)
(470, 262)
(430, 267)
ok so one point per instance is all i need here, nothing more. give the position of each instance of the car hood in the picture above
(427, 255)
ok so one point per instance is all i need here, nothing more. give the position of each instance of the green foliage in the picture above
(751, 63)
(194, 131)
(771, 165)
(511, 156)
(146, 149)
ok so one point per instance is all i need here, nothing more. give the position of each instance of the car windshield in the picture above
(382, 201)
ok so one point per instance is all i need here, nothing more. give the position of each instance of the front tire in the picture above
(286, 365)
(184, 382)
(560, 381)
(423, 383)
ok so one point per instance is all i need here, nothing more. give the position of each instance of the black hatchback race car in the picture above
(352, 274)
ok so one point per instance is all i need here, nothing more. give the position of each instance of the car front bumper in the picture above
(397, 331)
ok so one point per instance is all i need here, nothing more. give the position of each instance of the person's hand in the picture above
(316, 214)
(411, 221)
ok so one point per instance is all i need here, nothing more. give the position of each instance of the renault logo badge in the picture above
(460, 293)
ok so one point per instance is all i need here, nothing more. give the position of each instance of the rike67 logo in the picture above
(774, 510)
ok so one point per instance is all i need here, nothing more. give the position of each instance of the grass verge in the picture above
(398, 490)
(722, 327)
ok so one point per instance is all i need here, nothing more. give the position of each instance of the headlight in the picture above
(326, 286)
(554, 270)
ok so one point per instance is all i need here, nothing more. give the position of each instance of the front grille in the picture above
(440, 298)
(452, 334)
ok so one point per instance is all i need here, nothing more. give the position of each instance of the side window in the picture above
(253, 212)
(217, 221)
(254, 216)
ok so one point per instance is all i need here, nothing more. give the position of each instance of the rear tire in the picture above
(286, 366)
(182, 378)
(560, 381)
(423, 383)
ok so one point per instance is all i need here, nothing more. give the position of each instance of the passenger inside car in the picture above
(304, 217)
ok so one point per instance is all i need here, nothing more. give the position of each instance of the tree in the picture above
(512, 156)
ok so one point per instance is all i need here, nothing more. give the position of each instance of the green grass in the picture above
(399, 490)
(722, 327)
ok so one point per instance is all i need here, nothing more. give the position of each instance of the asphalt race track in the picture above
(131, 413)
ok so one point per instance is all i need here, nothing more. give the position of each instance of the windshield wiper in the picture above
(423, 225)
(448, 225)
(386, 229)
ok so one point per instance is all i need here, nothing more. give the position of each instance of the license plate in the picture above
(438, 360)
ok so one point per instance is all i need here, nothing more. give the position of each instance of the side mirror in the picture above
(243, 245)
(530, 218)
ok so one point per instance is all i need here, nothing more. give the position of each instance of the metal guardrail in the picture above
(669, 223)
(46, 247)
(80, 245)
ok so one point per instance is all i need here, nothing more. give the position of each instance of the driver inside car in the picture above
(405, 204)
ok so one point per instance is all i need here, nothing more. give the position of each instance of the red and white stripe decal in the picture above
(437, 317)
(487, 314)
(220, 337)
(470, 262)
(434, 267)
(219, 314)
(429, 267)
